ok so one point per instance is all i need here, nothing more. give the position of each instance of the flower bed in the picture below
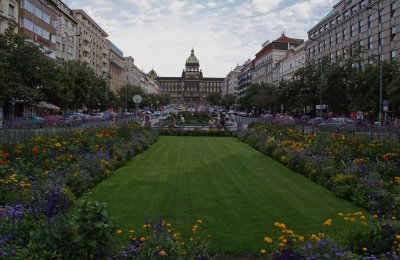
(196, 132)
(40, 178)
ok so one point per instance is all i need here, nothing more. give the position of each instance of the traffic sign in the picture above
(137, 99)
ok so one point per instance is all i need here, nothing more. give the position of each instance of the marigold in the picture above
(268, 240)
(263, 251)
(119, 231)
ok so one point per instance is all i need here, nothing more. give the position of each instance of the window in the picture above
(332, 23)
(354, 10)
(344, 35)
(363, 4)
(1, 7)
(380, 38)
(346, 14)
(369, 21)
(393, 8)
(337, 38)
(27, 24)
(326, 27)
(11, 10)
(353, 30)
(381, 16)
(370, 45)
(360, 26)
(392, 55)
(46, 18)
(393, 32)
(321, 30)
(339, 19)
(332, 39)
(38, 12)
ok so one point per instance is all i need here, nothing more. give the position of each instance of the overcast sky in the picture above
(159, 34)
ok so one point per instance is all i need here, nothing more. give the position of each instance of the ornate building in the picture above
(191, 86)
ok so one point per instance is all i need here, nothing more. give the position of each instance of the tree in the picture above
(214, 99)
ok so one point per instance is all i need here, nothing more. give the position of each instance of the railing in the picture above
(371, 132)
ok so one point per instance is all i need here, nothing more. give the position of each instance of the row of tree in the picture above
(28, 74)
(343, 86)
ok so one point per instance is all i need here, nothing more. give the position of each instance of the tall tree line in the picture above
(28, 74)
(343, 86)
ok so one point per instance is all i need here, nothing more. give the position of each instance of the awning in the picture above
(43, 104)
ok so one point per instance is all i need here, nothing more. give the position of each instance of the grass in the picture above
(238, 192)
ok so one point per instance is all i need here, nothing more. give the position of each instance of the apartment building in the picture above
(149, 83)
(245, 77)
(230, 83)
(267, 57)
(132, 73)
(289, 63)
(66, 26)
(92, 48)
(116, 69)
(38, 23)
(374, 24)
(9, 15)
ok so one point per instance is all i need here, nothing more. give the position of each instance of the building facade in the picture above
(230, 83)
(191, 87)
(267, 57)
(66, 32)
(373, 24)
(116, 68)
(132, 73)
(92, 48)
(288, 63)
(245, 77)
(38, 23)
(149, 83)
(9, 15)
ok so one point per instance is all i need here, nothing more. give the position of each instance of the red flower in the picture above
(35, 150)
(6, 155)
(18, 152)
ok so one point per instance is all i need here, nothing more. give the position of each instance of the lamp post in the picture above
(379, 10)
(320, 88)
(67, 50)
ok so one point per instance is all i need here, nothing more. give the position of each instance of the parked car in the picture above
(97, 116)
(81, 115)
(69, 120)
(339, 123)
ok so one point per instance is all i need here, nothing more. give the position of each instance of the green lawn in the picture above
(238, 192)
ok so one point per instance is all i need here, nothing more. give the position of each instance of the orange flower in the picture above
(35, 150)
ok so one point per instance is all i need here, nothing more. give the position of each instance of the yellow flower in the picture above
(328, 222)
(398, 237)
(267, 240)
(375, 216)
(281, 244)
(142, 239)
(263, 251)
(119, 231)
(57, 145)
(301, 238)
(169, 224)
(364, 223)
(131, 231)
(162, 253)
(200, 221)
(365, 249)
(394, 218)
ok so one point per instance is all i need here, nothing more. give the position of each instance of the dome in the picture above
(192, 59)
(153, 73)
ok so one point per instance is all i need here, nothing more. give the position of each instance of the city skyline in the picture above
(160, 34)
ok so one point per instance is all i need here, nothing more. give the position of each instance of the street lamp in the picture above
(320, 88)
(67, 49)
(379, 10)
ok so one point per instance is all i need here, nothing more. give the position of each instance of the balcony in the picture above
(86, 38)
(104, 60)
(104, 69)
(86, 49)
(104, 51)
(86, 60)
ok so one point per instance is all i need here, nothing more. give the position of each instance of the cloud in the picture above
(265, 6)
(161, 33)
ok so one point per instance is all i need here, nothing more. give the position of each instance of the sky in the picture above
(159, 34)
